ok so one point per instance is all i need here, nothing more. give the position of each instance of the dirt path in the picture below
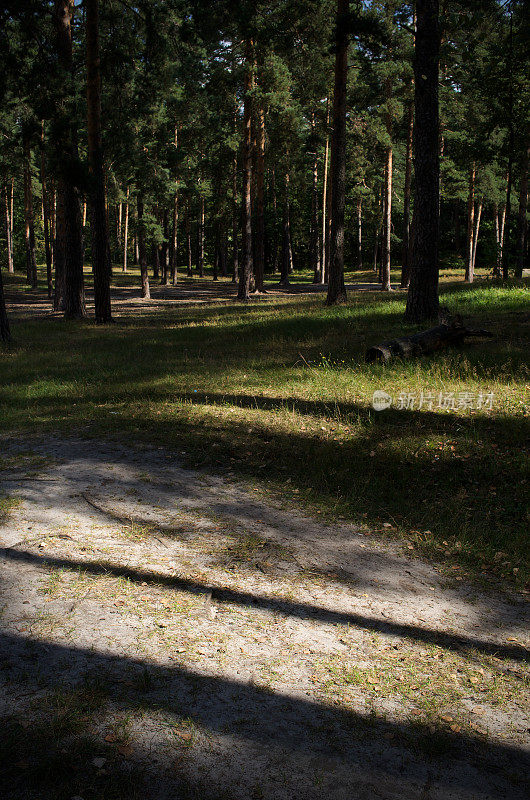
(169, 634)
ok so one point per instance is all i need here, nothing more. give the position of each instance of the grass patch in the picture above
(277, 392)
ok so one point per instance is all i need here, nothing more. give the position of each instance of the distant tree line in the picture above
(255, 138)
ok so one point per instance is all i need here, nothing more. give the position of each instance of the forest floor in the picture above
(168, 633)
(224, 575)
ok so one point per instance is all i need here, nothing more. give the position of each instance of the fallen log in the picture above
(449, 333)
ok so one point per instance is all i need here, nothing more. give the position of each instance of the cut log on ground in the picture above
(448, 334)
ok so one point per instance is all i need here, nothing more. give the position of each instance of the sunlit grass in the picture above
(277, 392)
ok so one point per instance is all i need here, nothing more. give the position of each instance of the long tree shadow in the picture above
(296, 729)
(299, 610)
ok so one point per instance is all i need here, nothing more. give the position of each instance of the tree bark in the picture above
(405, 260)
(235, 247)
(387, 227)
(5, 333)
(521, 220)
(200, 241)
(142, 256)
(475, 235)
(360, 233)
(69, 279)
(336, 286)
(98, 227)
(173, 252)
(422, 299)
(246, 255)
(470, 224)
(314, 233)
(325, 237)
(259, 243)
(188, 239)
(126, 230)
(286, 238)
(46, 221)
(9, 242)
(29, 224)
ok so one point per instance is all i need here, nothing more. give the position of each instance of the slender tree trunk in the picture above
(29, 225)
(173, 253)
(12, 206)
(336, 286)
(200, 241)
(506, 250)
(325, 238)
(5, 333)
(247, 266)
(142, 256)
(84, 213)
(46, 220)
(360, 233)
(475, 235)
(69, 279)
(387, 239)
(314, 246)
(235, 246)
(387, 227)
(405, 261)
(286, 238)
(98, 226)
(470, 224)
(9, 243)
(126, 230)
(521, 221)
(119, 228)
(188, 239)
(164, 250)
(259, 243)
(422, 299)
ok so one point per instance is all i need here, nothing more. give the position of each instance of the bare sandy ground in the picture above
(244, 650)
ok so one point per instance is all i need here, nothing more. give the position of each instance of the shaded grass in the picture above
(278, 392)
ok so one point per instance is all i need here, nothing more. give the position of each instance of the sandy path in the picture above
(245, 651)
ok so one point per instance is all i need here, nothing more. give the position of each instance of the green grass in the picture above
(277, 392)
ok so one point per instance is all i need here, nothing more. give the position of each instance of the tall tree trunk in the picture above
(259, 242)
(387, 227)
(475, 236)
(247, 266)
(314, 247)
(126, 230)
(200, 241)
(142, 256)
(69, 279)
(325, 237)
(173, 252)
(84, 214)
(164, 250)
(506, 250)
(9, 243)
(29, 224)
(422, 299)
(470, 224)
(98, 223)
(521, 220)
(360, 233)
(286, 238)
(46, 220)
(387, 238)
(5, 333)
(188, 239)
(405, 259)
(336, 286)
(235, 245)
